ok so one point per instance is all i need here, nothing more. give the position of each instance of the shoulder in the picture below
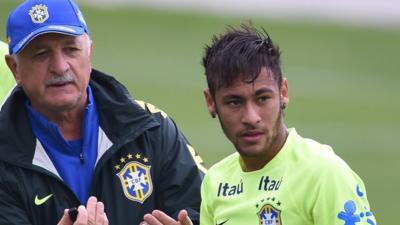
(318, 161)
(3, 48)
(6, 76)
(322, 165)
(224, 167)
(318, 156)
(151, 109)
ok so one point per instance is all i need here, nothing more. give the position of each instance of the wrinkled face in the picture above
(251, 113)
(54, 71)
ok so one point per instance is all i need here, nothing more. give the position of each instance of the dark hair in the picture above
(240, 53)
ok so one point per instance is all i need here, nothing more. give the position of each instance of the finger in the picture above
(105, 219)
(183, 218)
(99, 213)
(82, 216)
(163, 218)
(65, 220)
(91, 209)
(150, 220)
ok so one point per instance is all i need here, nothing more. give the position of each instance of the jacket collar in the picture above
(120, 117)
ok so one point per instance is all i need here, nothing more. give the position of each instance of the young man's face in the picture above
(54, 71)
(251, 113)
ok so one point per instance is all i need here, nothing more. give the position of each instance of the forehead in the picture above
(53, 38)
(265, 80)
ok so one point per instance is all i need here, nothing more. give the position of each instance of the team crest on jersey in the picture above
(136, 181)
(269, 215)
(39, 13)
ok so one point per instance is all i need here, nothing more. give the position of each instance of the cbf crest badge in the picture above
(136, 181)
(269, 215)
(39, 13)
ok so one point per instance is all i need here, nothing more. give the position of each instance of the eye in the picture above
(40, 54)
(233, 102)
(263, 98)
(71, 50)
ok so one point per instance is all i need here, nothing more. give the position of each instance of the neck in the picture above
(70, 124)
(253, 163)
(69, 121)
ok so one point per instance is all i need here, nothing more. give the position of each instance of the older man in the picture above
(71, 136)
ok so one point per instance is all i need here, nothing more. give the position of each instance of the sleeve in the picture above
(180, 174)
(341, 197)
(206, 216)
(11, 208)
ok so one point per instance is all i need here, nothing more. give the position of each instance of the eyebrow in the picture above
(264, 90)
(258, 92)
(70, 41)
(66, 41)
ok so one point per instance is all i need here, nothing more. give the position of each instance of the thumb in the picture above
(65, 219)
(184, 218)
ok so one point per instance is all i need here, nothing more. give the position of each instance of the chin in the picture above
(63, 104)
(252, 151)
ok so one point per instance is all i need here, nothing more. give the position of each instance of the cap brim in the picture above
(60, 29)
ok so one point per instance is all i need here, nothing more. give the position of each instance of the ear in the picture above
(284, 92)
(90, 48)
(13, 66)
(210, 103)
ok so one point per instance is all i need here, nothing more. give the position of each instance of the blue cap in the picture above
(35, 17)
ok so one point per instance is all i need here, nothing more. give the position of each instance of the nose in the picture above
(59, 63)
(251, 114)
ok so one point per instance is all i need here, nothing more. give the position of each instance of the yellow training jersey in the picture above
(304, 184)
(6, 78)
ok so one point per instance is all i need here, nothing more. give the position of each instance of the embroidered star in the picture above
(117, 167)
(122, 159)
(138, 156)
(130, 156)
(145, 159)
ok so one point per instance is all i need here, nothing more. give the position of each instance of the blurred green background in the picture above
(344, 83)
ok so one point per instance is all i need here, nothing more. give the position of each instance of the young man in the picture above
(6, 78)
(71, 136)
(276, 176)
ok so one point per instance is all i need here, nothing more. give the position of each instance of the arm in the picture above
(11, 209)
(342, 198)
(180, 176)
(179, 170)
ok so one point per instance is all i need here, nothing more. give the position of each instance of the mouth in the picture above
(60, 84)
(252, 136)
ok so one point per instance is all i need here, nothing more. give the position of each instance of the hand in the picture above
(93, 214)
(158, 217)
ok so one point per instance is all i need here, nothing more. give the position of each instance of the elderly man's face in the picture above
(54, 71)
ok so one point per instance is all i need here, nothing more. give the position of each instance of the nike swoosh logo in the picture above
(40, 201)
(222, 222)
